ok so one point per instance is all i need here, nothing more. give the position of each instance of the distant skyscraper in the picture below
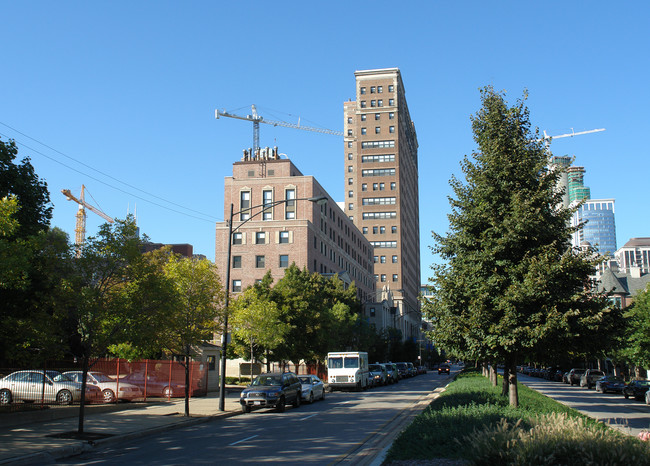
(381, 186)
(562, 162)
(599, 229)
(577, 189)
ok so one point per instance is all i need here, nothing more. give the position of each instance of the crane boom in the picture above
(571, 134)
(80, 229)
(256, 119)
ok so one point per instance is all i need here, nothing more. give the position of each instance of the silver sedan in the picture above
(312, 388)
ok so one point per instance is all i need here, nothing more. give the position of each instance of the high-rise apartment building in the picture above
(599, 228)
(381, 187)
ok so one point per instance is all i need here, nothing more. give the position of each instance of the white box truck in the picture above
(348, 370)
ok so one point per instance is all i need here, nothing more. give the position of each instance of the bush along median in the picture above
(471, 421)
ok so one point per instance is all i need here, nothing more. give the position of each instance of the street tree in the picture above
(197, 309)
(510, 283)
(637, 346)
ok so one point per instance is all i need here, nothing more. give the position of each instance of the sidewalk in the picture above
(32, 443)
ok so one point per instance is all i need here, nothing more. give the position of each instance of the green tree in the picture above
(637, 347)
(510, 285)
(199, 299)
(256, 324)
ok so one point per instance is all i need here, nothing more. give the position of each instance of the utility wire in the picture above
(112, 186)
(104, 174)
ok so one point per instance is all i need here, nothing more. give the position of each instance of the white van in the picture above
(348, 369)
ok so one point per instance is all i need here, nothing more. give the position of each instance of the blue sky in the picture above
(120, 96)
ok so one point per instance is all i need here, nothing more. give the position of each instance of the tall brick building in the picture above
(381, 187)
(318, 237)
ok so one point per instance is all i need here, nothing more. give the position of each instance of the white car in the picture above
(312, 388)
(109, 387)
(34, 385)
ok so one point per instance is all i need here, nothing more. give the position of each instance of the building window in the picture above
(380, 89)
(377, 158)
(383, 277)
(393, 229)
(349, 143)
(391, 129)
(267, 199)
(259, 262)
(363, 131)
(378, 215)
(244, 205)
(350, 133)
(284, 237)
(391, 88)
(383, 259)
(377, 129)
(378, 172)
(363, 117)
(394, 259)
(375, 186)
(236, 286)
(383, 244)
(350, 120)
(394, 277)
(364, 187)
(392, 186)
(380, 103)
(376, 259)
(350, 193)
(284, 261)
(372, 89)
(290, 205)
(391, 102)
(376, 277)
(350, 206)
(350, 169)
(361, 91)
(373, 103)
(372, 312)
(382, 230)
(365, 230)
(391, 116)
(374, 230)
(237, 238)
(350, 181)
(236, 262)
(377, 116)
(377, 144)
(381, 186)
(349, 155)
(378, 200)
(260, 237)
(363, 104)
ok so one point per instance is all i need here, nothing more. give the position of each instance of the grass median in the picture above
(472, 422)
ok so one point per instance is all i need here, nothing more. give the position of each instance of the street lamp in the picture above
(320, 200)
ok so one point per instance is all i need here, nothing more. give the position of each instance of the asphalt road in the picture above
(325, 432)
(629, 416)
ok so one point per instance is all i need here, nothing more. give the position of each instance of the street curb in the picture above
(67, 451)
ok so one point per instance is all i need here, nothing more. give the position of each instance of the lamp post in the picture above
(320, 200)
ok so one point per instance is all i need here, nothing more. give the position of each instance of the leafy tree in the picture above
(256, 324)
(197, 306)
(511, 284)
(637, 349)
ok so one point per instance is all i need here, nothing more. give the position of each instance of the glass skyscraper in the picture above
(599, 228)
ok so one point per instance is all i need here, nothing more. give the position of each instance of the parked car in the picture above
(610, 384)
(272, 390)
(574, 376)
(403, 370)
(421, 369)
(588, 379)
(378, 374)
(636, 389)
(411, 369)
(34, 385)
(391, 372)
(155, 384)
(108, 387)
(444, 368)
(312, 388)
(565, 377)
(647, 397)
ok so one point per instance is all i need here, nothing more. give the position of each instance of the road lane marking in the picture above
(305, 418)
(242, 440)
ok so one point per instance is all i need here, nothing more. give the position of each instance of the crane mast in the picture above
(80, 228)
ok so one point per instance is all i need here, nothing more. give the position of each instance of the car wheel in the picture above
(108, 395)
(296, 404)
(5, 397)
(280, 406)
(626, 395)
(168, 392)
(245, 409)
(311, 398)
(64, 397)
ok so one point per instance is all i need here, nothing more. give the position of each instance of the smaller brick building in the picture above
(320, 238)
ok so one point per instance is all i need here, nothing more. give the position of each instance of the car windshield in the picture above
(306, 380)
(101, 377)
(58, 377)
(375, 367)
(335, 363)
(267, 381)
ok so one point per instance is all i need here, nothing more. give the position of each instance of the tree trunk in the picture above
(493, 374)
(506, 380)
(513, 393)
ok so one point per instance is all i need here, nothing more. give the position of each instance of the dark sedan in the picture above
(610, 384)
(443, 368)
(636, 389)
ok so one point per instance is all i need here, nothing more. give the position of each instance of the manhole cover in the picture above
(74, 435)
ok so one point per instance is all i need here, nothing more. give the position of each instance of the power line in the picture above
(109, 176)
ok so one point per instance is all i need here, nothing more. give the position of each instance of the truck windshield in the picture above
(335, 363)
(351, 363)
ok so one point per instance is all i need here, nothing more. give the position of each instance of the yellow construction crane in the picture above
(80, 229)
(256, 119)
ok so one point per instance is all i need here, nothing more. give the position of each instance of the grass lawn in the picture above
(473, 422)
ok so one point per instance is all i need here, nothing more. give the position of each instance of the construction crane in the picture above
(256, 119)
(547, 139)
(80, 229)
